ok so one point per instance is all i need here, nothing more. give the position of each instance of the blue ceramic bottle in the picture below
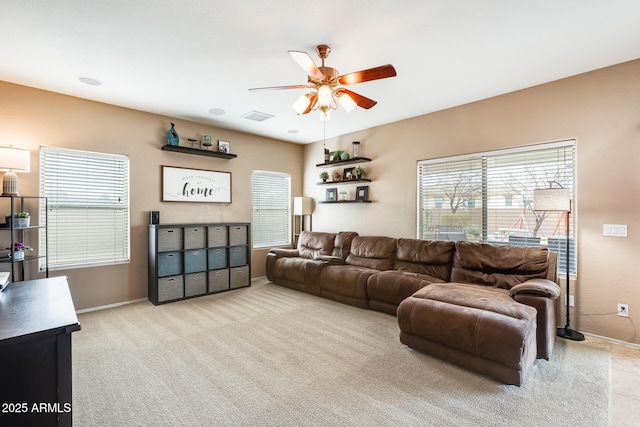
(172, 136)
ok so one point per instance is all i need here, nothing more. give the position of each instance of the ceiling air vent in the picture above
(257, 116)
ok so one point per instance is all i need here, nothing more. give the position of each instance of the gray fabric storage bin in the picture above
(237, 256)
(195, 261)
(169, 239)
(195, 237)
(237, 235)
(219, 280)
(217, 236)
(195, 284)
(217, 258)
(170, 288)
(169, 264)
(238, 277)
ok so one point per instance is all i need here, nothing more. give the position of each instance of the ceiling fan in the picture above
(326, 85)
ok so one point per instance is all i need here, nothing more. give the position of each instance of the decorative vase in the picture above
(356, 148)
(172, 136)
(344, 156)
(18, 256)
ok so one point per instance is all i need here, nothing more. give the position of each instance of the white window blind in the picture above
(488, 197)
(88, 199)
(271, 209)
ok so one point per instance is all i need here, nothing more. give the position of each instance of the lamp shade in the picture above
(302, 205)
(552, 199)
(14, 159)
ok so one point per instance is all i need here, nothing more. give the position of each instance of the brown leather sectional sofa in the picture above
(487, 308)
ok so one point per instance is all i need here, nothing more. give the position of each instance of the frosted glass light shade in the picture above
(302, 205)
(301, 105)
(347, 103)
(324, 95)
(552, 199)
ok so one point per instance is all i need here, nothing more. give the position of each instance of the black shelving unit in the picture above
(22, 234)
(191, 260)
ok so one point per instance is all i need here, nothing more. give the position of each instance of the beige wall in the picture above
(31, 118)
(601, 110)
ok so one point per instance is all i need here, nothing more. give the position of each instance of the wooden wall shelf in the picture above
(344, 181)
(345, 201)
(199, 152)
(343, 162)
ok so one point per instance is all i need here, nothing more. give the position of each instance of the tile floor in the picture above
(625, 386)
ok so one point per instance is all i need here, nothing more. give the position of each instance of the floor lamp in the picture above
(302, 206)
(558, 199)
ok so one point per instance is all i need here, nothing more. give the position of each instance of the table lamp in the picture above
(12, 160)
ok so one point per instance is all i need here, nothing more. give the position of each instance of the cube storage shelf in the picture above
(190, 260)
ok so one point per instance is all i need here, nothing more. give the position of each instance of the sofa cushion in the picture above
(501, 266)
(342, 245)
(372, 252)
(430, 257)
(314, 243)
(475, 319)
(391, 287)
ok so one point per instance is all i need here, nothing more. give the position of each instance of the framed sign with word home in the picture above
(195, 185)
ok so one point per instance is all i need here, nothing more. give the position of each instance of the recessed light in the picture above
(293, 131)
(217, 112)
(90, 81)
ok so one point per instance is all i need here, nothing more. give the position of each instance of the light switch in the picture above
(614, 230)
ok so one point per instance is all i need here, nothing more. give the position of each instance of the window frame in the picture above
(285, 235)
(120, 253)
(487, 172)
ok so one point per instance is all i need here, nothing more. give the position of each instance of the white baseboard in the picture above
(613, 341)
(104, 307)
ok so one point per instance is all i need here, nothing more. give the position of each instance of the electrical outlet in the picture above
(570, 300)
(623, 310)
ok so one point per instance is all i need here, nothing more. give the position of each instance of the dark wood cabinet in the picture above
(37, 318)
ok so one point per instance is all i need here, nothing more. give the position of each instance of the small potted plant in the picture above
(18, 251)
(358, 172)
(324, 176)
(22, 219)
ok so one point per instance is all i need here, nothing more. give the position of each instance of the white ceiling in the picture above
(183, 58)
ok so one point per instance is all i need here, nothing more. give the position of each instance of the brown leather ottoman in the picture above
(476, 327)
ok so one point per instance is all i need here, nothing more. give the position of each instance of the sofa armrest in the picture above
(331, 260)
(537, 287)
(284, 252)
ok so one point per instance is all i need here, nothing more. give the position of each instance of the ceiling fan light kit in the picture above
(326, 85)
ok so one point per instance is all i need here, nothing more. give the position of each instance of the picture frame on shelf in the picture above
(224, 146)
(362, 193)
(331, 194)
(348, 174)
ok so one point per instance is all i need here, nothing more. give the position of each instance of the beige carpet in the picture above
(267, 355)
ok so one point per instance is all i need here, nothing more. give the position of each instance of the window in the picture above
(88, 199)
(271, 209)
(488, 197)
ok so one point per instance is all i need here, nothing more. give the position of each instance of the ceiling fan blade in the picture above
(313, 98)
(261, 89)
(381, 72)
(362, 101)
(304, 60)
